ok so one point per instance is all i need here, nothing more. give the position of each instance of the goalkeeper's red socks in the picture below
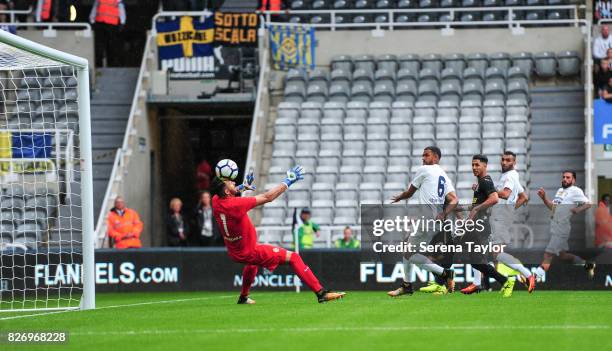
(304, 273)
(248, 277)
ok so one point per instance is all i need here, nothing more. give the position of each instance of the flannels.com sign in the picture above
(602, 124)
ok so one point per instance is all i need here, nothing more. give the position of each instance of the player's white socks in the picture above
(426, 264)
(513, 263)
(408, 268)
(540, 272)
(477, 277)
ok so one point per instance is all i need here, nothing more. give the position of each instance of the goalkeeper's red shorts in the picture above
(266, 256)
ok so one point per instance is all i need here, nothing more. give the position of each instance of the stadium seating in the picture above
(524, 11)
(380, 112)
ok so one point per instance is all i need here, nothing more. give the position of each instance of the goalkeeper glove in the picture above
(293, 175)
(248, 182)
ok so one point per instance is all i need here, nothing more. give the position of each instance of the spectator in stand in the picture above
(177, 227)
(204, 174)
(347, 241)
(108, 18)
(607, 91)
(601, 44)
(602, 77)
(206, 226)
(603, 223)
(4, 18)
(308, 229)
(124, 226)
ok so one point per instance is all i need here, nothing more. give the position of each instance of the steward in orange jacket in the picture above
(124, 226)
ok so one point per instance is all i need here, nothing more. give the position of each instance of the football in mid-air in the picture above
(226, 169)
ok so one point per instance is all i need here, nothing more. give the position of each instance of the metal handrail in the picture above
(49, 25)
(390, 23)
(107, 194)
(12, 13)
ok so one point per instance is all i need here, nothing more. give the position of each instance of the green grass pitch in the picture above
(546, 320)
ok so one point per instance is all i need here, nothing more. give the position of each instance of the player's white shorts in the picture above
(558, 242)
(501, 232)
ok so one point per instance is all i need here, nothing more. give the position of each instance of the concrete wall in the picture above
(330, 44)
(71, 41)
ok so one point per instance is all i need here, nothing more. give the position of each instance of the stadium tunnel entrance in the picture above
(192, 140)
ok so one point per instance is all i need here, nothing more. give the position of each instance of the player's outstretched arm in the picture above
(521, 200)
(545, 199)
(404, 195)
(293, 175)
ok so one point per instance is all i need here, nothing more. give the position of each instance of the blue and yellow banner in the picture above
(292, 46)
(185, 37)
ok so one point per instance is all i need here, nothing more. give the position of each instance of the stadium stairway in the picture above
(110, 108)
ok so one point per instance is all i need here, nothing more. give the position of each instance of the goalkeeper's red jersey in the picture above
(238, 232)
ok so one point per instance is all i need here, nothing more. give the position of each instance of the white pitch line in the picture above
(118, 306)
(335, 329)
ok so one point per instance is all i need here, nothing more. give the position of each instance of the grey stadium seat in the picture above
(356, 112)
(446, 131)
(428, 91)
(399, 147)
(340, 92)
(478, 61)
(401, 112)
(406, 91)
(495, 90)
(469, 146)
(294, 92)
(330, 148)
(469, 131)
(451, 75)
(492, 130)
(517, 110)
(317, 92)
(518, 90)
(410, 61)
(545, 64)
(407, 74)
(455, 61)
(376, 148)
(377, 132)
(354, 132)
(346, 198)
(493, 146)
(384, 92)
(473, 91)
(569, 63)
(345, 215)
(366, 62)
(353, 147)
(450, 92)
(333, 113)
(500, 60)
(352, 164)
(432, 61)
(493, 111)
(343, 62)
(388, 62)
(361, 92)
(524, 60)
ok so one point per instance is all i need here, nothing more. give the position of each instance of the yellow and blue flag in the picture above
(292, 46)
(185, 37)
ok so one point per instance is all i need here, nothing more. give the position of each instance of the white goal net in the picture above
(45, 179)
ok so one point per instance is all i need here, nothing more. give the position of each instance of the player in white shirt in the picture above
(568, 201)
(511, 197)
(434, 188)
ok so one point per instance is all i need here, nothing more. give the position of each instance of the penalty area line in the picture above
(118, 306)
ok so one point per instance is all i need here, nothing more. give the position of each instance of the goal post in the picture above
(51, 89)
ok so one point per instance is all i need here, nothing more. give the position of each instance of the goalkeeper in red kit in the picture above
(230, 210)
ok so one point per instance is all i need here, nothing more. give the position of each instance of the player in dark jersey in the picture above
(230, 211)
(485, 196)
